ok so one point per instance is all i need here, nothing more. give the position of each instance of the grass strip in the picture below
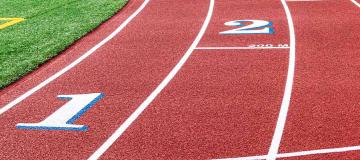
(50, 27)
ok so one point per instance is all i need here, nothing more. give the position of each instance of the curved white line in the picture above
(356, 3)
(275, 143)
(158, 89)
(300, 153)
(235, 48)
(73, 64)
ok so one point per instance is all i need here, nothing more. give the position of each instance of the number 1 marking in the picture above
(257, 27)
(63, 118)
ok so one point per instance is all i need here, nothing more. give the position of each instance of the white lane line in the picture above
(275, 143)
(158, 89)
(262, 157)
(301, 0)
(235, 48)
(301, 153)
(319, 151)
(73, 64)
(356, 3)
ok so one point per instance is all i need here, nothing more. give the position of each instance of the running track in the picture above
(177, 89)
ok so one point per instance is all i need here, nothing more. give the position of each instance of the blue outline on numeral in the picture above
(83, 128)
(270, 25)
(82, 111)
(70, 121)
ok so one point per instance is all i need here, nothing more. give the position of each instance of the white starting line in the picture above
(301, 153)
(353, 1)
(235, 48)
(301, 0)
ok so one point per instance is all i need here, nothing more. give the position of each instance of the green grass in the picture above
(50, 27)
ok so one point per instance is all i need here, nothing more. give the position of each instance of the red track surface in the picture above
(221, 104)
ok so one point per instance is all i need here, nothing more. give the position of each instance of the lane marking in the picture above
(301, 153)
(64, 117)
(256, 27)
(73, 64)
(302, 0)
(356, 3)
(106, 145)
(285, 104)
(229, 48)
(11, 21)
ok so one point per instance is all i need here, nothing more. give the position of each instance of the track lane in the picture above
(69, 55)
(221, 104)
(171, 127)
(324, 107)
(126, 70)
(123, 127)
(198, 116)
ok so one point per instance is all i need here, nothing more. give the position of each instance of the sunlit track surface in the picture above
(210, 79)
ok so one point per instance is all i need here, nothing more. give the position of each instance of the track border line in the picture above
(285, 104)
(238, 48)
(300, 153)
(106, 145)
(74, 63)
(356, 3)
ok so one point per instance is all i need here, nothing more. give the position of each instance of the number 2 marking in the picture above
(63, 118)
(257, 27)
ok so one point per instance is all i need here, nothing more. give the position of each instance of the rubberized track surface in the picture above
(177, 89)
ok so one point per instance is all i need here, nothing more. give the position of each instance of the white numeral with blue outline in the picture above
(256, 27)
(63, 118)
